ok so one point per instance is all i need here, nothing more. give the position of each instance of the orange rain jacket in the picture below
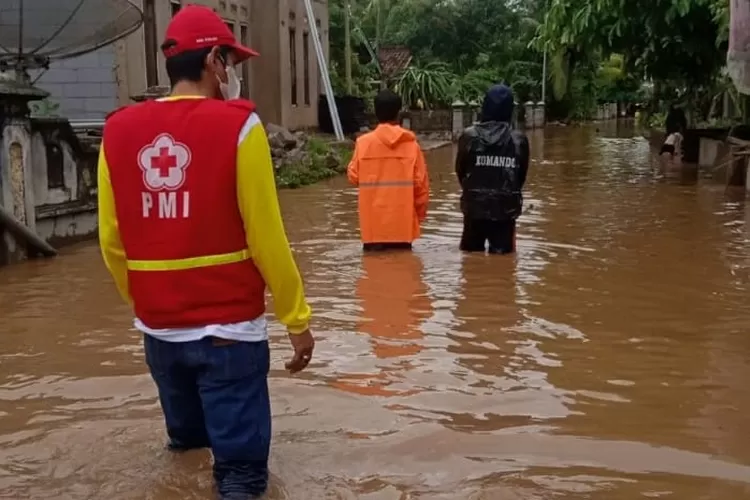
(389, 168)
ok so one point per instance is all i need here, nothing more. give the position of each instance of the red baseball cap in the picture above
(199, 27)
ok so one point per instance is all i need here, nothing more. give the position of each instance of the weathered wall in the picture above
(85, 87)
(63, 172)
(47, 182)
(268, 78)
(438, 120)
(299, 108)
(267, 92)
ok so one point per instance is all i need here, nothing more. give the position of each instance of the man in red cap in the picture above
(191, 231)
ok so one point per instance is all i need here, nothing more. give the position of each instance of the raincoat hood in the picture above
(393, 135)
(492, 132)
(498, 104)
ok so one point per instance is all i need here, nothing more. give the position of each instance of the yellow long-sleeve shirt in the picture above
(259, 206)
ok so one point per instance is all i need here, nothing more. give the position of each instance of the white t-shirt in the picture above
(674, 139)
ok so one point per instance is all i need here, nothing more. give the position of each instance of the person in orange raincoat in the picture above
(389, 169)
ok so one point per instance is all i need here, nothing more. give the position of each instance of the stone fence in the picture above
(462, 115)
(607, 111)
(530, 115)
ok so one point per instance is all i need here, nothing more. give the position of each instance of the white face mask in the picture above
(233, 88)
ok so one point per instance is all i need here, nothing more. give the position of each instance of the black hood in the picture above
(498, 104)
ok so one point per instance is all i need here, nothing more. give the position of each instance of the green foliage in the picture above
(44, 108)
(599, 50)
(657, 120)
(321, 160)
(460, 47)
(667, 40)
(364, 73)
(473, 85)
(614, 83)
(430, 84)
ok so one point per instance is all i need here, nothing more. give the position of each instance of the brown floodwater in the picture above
(608, 360)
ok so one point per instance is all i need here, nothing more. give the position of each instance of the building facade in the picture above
(284, 81)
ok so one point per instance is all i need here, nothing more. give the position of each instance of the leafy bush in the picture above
(44, 108)
(430, 85)
(320, 160)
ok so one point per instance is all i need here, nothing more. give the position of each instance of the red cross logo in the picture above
(163, 162)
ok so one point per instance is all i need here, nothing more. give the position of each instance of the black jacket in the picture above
(491, 165)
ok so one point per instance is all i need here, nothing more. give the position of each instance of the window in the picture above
(231, 27)
(306, 65)
(176, 6)
(55, 165)
(245, 67)
(293, 63)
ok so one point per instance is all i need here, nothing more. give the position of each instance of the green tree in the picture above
(677, 41)
(461, 47)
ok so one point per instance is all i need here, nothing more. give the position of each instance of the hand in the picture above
(303, 345)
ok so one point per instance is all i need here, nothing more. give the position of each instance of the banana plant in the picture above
(429, 84)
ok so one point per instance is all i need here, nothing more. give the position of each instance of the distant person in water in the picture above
(389, 169)
(671, 149)
(491, 165)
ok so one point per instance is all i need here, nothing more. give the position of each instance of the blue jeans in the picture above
(214, 393)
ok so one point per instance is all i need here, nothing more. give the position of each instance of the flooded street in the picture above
(608, 360)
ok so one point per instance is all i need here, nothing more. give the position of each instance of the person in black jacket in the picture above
(491, 166)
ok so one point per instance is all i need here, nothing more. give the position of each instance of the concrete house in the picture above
(284, 81)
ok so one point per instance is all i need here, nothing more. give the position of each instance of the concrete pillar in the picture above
(16, 178)
(708, 151)
(539, 112)
(406, 120)
(737, 172)
(458, 118)
(474, 111)
(17, 181)
(529, 118)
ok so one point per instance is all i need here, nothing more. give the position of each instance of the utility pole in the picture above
(378, 34)
(378, 20)
(544, 77)
(348, 47)
(150, 46)
(544, 59)
(323, 68)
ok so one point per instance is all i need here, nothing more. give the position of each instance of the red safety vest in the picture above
(173, 169)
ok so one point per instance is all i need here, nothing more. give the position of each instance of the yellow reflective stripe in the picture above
(188, 263)
(386, 183)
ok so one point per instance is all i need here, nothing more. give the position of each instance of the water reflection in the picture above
(604, 361)
(489, 312)
(394, 304)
